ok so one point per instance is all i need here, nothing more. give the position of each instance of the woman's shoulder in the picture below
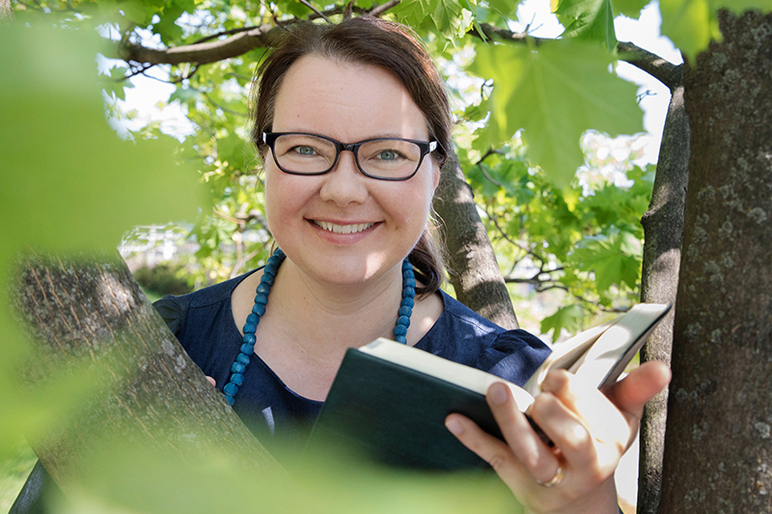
(174, 309)
(462, 335)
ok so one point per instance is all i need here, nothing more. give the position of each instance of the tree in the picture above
(718, 448)
(496, 164)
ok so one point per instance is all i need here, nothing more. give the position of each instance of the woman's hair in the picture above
(374, 42)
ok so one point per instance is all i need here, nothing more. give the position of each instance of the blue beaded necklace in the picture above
(261, 300)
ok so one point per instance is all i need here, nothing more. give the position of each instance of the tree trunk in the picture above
(473, 268)
(718, 446)
(147, 391)
(663, 227)
(6, 12)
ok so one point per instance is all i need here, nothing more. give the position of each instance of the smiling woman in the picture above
(353, 125)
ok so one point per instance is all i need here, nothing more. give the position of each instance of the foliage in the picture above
(163, 279)
(538, 96)
(522, 109)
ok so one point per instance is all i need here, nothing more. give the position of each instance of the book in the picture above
(389, 401)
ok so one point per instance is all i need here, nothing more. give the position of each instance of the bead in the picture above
(408, 302)
(244, 359)
(258, 309)
(252, 318)
(230, 400)
(247, 348)
(403, 320)
(238, 367)
(263, 288)
(237, 378)
(231, 389)
(249, 328)
(268, 278)
(405, 311)
(408, 292)
(400, 330)
(400, 339)
(409, 281)
(261, 298)
(249, 338)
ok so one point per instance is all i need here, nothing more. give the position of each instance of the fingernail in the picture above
(498, 393)
(454, 426)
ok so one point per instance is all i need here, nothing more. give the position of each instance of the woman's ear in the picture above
(437, 173)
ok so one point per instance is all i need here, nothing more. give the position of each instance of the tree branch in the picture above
(666, 72)
(203, 53)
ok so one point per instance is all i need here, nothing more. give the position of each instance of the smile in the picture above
(343, 229)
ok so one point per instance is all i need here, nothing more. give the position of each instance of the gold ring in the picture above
(555, 480)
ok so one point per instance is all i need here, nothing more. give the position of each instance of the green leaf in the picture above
(592, 20)
(506, 8)
(568, 318)
(614, 258)
(630, 8)
(739, 6)
(690, 24)
(447, 17)
(555, 94)
(184, 94)
(67, 181)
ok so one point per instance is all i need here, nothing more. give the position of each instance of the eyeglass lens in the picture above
(387, 158)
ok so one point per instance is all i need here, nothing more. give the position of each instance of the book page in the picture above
(609, 356)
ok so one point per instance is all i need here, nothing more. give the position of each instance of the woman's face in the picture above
(344, 227)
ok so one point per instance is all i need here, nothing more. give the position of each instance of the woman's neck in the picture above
(324, 316)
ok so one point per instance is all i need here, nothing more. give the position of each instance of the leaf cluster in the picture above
(523, 105)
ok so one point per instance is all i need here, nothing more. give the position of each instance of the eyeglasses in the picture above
(385, 158)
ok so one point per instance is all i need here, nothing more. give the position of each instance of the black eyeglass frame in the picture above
(269, 138)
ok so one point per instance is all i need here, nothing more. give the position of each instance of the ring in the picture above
(555, 480)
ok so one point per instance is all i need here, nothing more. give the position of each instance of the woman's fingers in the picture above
(211, 381)
(526, 445)
(632, 393)
(522, 457)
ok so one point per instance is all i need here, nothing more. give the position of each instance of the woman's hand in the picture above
(590, 429)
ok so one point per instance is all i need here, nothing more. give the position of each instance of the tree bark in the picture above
(6, 12)
(148, 393)
(473, 268)
(663, 226)
(718, 446)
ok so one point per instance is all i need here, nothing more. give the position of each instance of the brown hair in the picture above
(375, 42)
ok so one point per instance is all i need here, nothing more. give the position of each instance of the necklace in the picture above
(261, 300)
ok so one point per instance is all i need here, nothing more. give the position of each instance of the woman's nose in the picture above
(344, 184)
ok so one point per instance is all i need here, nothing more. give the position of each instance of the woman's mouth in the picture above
(342, 229)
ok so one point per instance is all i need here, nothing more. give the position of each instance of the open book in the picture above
(389, 401)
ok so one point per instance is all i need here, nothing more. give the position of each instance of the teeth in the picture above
(343, 229)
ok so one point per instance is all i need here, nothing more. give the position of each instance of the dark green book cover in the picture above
(396, 416)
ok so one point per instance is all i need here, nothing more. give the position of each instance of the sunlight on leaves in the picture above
(555, 95)
(592, 20)
(690, 24)
(630, 8)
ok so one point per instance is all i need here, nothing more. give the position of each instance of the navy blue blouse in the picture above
(203, 323)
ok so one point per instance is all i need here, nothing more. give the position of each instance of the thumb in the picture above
(631, 393)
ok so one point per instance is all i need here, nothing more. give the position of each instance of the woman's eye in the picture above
(304, 150)
(389, 155)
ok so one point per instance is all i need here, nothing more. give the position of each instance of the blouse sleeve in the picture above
(514, 356)
(171, 310)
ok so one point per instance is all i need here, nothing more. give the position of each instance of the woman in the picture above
(353, 125)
